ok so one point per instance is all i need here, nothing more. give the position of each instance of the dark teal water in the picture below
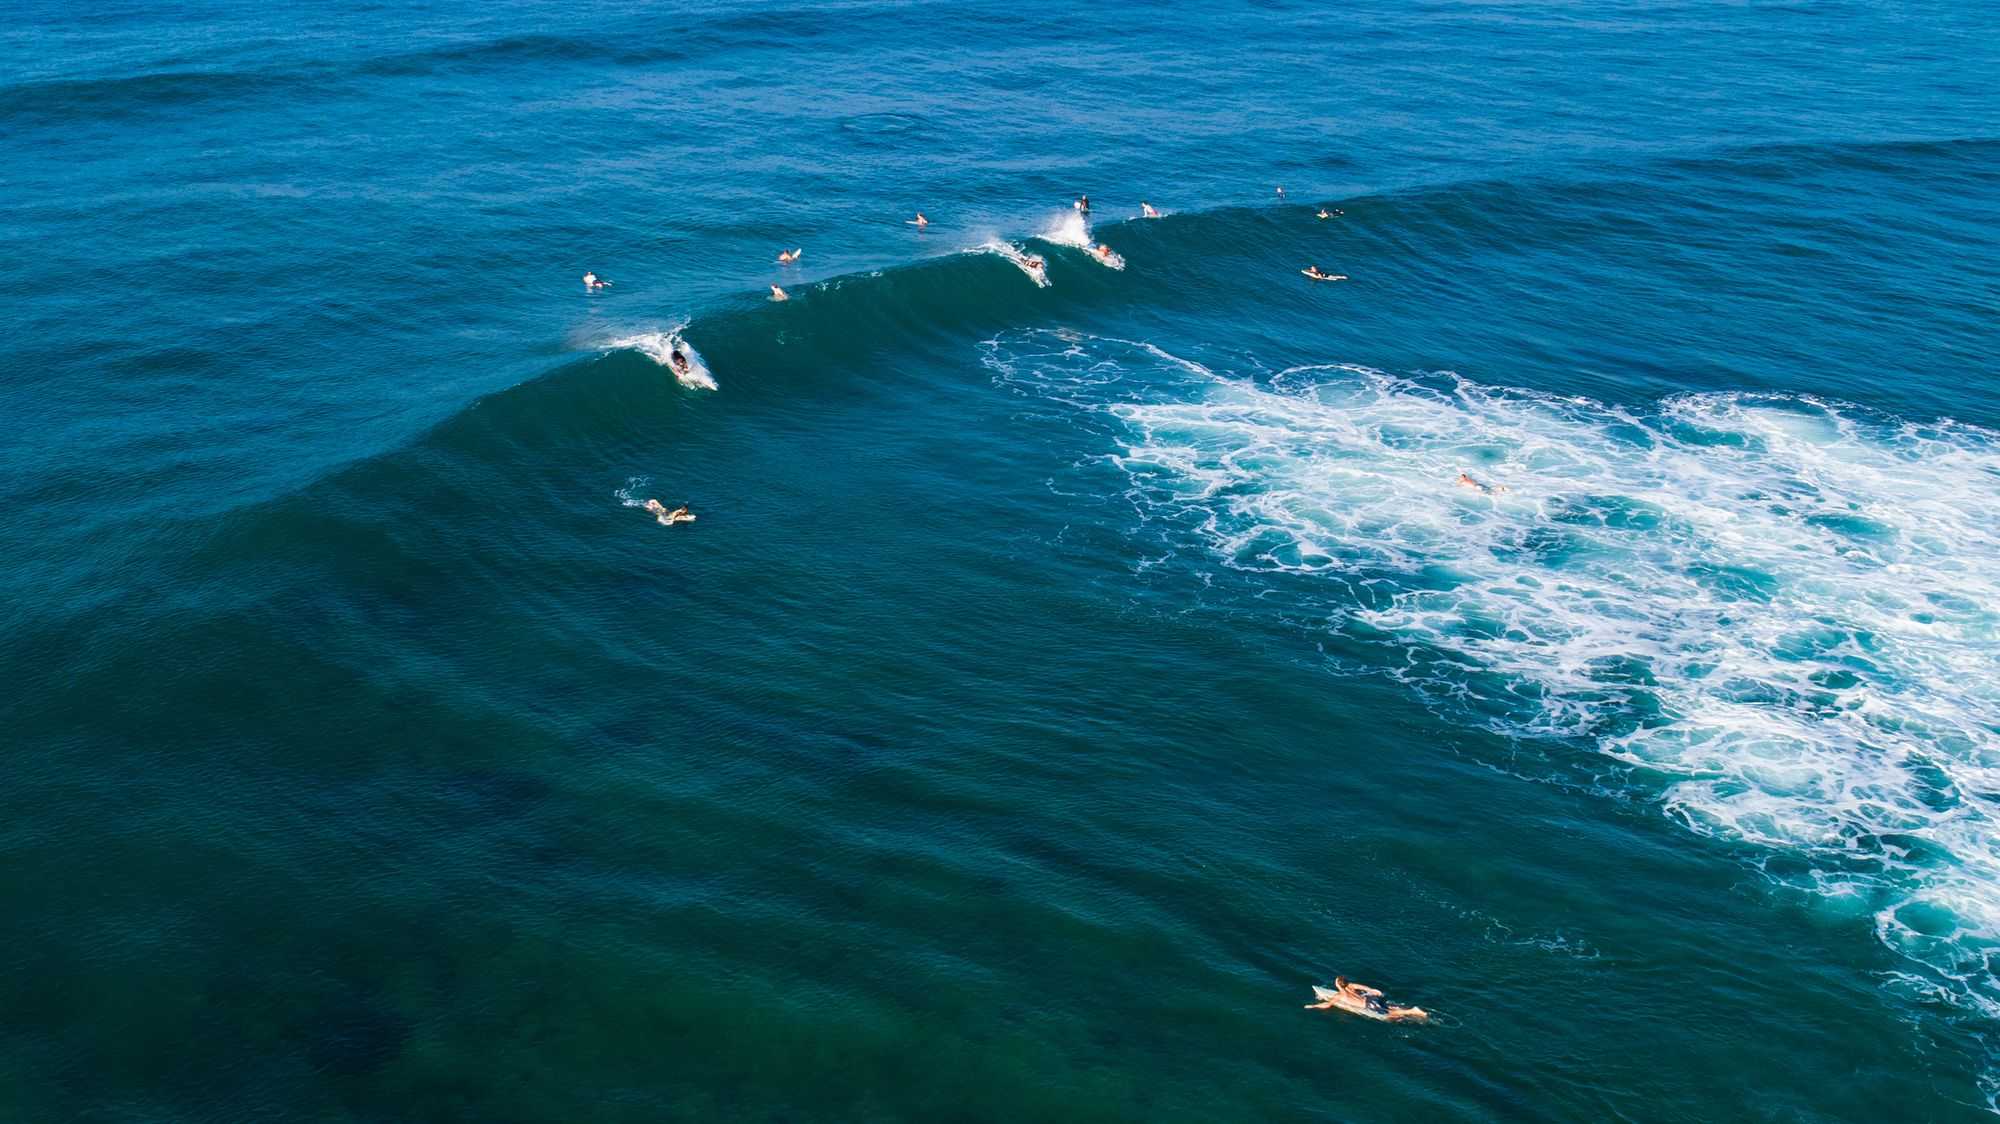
(1058, 680)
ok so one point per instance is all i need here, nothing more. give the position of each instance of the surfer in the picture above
(1102, 251)
(1465, 481)
(1150, 211)
(920, 221)
(1318, 274)
(1326, 214)
(778, 294)
(590, 281)
(680, 361)
(1083, 204)
(788, 257)
(1281, 193)
(1034, 263)
(1362, 1000)
(677, 515)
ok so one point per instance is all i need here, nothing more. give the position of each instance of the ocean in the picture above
(1067, 668)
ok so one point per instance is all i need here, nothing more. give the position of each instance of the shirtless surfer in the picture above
(1465, 481)
(919, 222)
(677, 515)
(1149, 210)
(789, 257)
(1102, 251)
(1326, 214)
(591, 281)
(1362, 1000)
(680, 361)
(1318, 274)
(778, 294)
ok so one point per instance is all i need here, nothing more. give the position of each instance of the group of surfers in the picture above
(1034, 264)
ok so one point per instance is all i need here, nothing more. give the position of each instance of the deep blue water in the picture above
(1059, 679)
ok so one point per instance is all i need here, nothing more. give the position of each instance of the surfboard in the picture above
(670, 519)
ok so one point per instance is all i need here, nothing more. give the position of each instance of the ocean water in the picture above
(1068, 667)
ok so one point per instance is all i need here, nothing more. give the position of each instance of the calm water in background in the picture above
(1058, 680)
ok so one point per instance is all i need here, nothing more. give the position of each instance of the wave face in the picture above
(1777, 614)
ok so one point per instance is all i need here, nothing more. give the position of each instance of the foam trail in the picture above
(1777, 614)
(1038, 274)
(659, 347)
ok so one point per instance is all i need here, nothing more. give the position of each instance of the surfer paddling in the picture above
(919, 222)
(1318, 274)
(1465, 481)
(1326, 214)
(668, 518)
(1362, 1000)
(1102, 251)
(789, 257)
(592, 281)
(778, 294)
(1149, 210)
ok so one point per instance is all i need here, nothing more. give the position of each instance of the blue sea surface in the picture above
(1582, 621)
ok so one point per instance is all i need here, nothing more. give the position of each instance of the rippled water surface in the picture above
(1078, 654)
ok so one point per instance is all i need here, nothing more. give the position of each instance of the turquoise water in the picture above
(1059, 680)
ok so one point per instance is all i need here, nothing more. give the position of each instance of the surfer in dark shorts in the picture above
(1363, 1000)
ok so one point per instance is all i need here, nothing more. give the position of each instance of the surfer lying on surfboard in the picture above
(1362, 1000)
(677, 515)
(1318, 274)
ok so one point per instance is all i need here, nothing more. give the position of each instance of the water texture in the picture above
(1070, 665)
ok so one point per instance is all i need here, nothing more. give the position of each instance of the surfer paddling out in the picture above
(1465, 481)
(1150, 211)
(1361, 1000)
(919, 222)
(1326, 214)
(592, 281)
(668, 518)
(1318, 274)
(778, 294)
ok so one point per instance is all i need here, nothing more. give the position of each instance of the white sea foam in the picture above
(1071, 228)
(1039, 274)
(1777, 614)
(659, 347)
